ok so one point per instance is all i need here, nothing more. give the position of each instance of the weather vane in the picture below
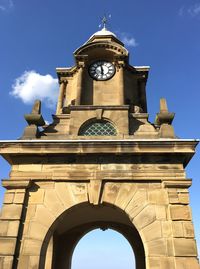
(104, 21)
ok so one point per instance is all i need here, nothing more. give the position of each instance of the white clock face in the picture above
(101, 70)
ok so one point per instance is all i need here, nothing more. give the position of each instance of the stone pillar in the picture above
(121, 84)
(79, 85)
(183, 242)
(61, 97)
(11, 222)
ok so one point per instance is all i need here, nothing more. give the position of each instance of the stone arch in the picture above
(80, 219)
(143, 210)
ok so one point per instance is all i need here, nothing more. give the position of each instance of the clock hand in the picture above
(102, 70)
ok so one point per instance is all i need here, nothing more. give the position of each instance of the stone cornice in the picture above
(66, 72)
(151, 142)
(181, 150)
(102, 44)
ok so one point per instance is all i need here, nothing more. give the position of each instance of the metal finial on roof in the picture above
(104, 21)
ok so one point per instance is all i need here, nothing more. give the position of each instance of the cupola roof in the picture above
(103, 32)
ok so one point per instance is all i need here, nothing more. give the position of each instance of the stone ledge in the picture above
(16, 184)
(177, 184)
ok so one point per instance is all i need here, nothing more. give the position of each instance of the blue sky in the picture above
(102, 245)
(38, 36)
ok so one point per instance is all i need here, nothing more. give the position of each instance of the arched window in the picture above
(97, 128)
(103, 249)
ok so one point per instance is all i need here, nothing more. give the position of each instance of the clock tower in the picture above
(102, 90)
(99, 164)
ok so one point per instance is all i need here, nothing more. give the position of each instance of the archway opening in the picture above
(106, 249)
(73, 224)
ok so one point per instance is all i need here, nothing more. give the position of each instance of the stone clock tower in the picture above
(100, 163)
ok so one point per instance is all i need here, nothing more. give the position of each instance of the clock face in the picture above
(101, 70)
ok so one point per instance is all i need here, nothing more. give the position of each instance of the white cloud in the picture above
(194, 10)
(129, 42)
(5, 5)
(127, 39)
(32, 85)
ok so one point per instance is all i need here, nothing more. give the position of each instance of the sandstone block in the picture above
(37, 230)
(161, 212)
(160, 263)
(6, 262)
(44, 216)
(26, 228)
(182, 190)
(46, 184)
(36, 197)
(170, 247)
(188, 229)
(53, 203)
(79, 191)
(7, 246)
(94, 191)
(34, 262)
(156, 247)
(166, 228)
(110, 192)
(126, 193)
(13, 227)
(180, 212)
(158, 197)
(65, 194)
(11, 211)
(3, 227)
(153, 262)
(19, 197)
(8, 197)
(115, 166)
(152, 231)
(31, 247)
(183, 198)
(173, 197)
(23, 261)
(30, 167)
(137, 203)
(185, 247)
(177, 229)
(186, 263)
(155, 185)
(31, 210)
(167, 263)
(145, 217)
